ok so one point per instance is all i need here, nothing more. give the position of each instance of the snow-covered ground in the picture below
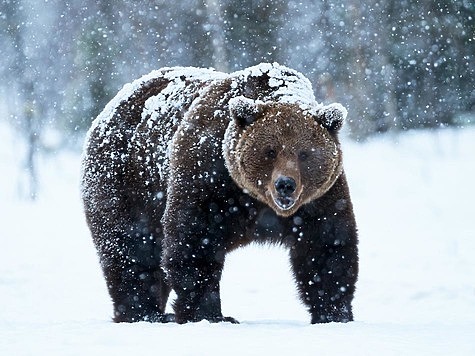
(414, 199)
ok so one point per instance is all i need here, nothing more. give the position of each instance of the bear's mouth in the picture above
(284, 203)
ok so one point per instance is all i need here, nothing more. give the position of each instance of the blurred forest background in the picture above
(395, 64)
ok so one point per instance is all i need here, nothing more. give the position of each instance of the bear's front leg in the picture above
(326, 278)
(193, 260)
(324, 258)
(197, 289)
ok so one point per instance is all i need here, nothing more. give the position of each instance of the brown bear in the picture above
(187, 164)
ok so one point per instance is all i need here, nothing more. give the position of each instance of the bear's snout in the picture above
(285, 193)
(285, 186)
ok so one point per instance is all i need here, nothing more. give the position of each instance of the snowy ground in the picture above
(414, 200)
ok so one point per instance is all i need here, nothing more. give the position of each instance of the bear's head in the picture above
(281, 154)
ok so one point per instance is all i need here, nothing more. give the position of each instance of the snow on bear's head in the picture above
(281, 154)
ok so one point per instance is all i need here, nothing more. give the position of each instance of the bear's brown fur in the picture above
(186, 164)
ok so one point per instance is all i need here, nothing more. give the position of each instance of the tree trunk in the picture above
(215, 19)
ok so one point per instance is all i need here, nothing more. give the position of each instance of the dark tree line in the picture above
(396, 64)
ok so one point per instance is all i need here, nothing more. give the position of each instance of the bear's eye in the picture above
(303, 156)
(270, 153)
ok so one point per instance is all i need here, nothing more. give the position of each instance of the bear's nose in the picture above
(285, 186)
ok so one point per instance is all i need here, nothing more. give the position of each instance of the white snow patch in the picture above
(293, 87)
(332, 112)
(126, 92)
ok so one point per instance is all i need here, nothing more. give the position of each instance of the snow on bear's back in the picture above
(284, 84)
(176, 77)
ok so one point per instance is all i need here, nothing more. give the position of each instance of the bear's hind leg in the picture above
(136, 282)
(137, 294)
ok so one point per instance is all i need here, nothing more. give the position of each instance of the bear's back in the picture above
(162, 95)
(137, 124)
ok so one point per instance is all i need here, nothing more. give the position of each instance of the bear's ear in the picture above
(332, 116)
(244, 110)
